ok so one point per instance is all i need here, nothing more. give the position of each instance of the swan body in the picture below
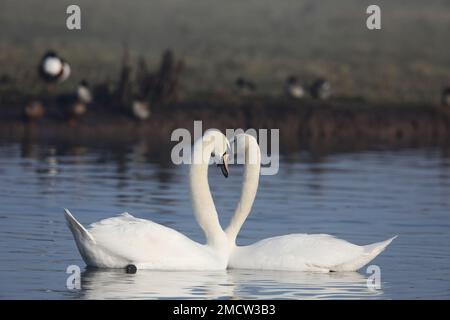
(123, 240)
(294, 252)
(119, 241)
(305, 252)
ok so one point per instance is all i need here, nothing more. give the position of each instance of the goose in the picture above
(293, 252)
(293, 88)
(53, 69)
(133, 243)
(321, 89)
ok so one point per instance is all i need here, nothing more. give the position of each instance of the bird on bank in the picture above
(321, 89)
(245, 86)
(74, 105)
(445, 98)
(84, 93)
(140, 109)
(53, 69)
(79, 104)
(294, 88)
(34, 111)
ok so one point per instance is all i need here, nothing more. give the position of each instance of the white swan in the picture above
(295, 252)
(125, 240)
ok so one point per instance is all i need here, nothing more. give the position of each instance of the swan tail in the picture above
(79, 232)
(369, 253)
(376, 248)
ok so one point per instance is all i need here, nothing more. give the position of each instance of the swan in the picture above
(293, 252)
(125, 241)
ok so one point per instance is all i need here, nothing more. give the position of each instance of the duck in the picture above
(84, 93)
(53, 69)
(294, 89)
(76, 103)
(244, 86)
(321, 89)
(34, 110)
(140, 109)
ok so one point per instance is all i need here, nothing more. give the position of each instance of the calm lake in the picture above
(360, 197)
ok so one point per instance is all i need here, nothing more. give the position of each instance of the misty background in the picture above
(408, 60)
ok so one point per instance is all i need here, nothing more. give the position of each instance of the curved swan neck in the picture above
(202, 201)
(249, 185)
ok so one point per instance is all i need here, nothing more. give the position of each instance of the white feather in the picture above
(52, 66)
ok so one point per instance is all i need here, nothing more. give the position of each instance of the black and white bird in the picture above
(53, 69)
(140, 109)
(84, 93)
(294, 88)
(321, 89)
(445, 98)
(245, 86)
(78, 107)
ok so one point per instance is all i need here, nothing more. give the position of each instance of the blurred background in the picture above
(407, 61)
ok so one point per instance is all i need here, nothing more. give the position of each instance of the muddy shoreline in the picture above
(338, 125)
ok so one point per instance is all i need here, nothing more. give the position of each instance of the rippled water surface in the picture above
(361, 197)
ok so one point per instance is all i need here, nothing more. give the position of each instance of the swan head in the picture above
(220, 149)
(224, 165)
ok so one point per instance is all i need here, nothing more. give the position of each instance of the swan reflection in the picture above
(226, 284)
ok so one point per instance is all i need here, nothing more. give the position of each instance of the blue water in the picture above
(361, 197)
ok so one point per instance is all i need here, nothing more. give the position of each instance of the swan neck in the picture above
(202, 201)
(248, 191)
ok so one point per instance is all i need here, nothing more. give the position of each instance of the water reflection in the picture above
(229, 284)
(361, 197)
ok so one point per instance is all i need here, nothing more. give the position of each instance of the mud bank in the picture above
(340, 125)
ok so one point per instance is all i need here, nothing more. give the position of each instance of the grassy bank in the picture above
(407, 61)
